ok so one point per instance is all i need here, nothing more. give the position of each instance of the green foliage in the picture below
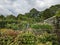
(6, 40)
(57, 24)
(43, 27)
(28, 38)
(58, 13)
(2, 17)
(22, 17)
(48, 39)
(34, 13)
(27, 21)
(10, 18)
(34, 16)
(23, 25)
(45, 37)
(2, 24)
(12, 26)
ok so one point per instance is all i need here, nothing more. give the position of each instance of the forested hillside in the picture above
(22, 20)
(30, 29)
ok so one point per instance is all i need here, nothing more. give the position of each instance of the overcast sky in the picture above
(22, 6)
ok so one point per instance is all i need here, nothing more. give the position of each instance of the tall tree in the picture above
(2, 17)
(11, 19)
(34, 13)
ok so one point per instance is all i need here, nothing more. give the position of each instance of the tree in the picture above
(47, 14)
(2, 17)
(2, 22)
(19, 17)
(22, 17)
(10, 17)
(58, 13)
(34, 13)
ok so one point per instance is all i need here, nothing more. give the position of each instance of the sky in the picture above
(15, 7)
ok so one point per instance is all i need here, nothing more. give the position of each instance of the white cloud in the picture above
(4, 11)
(43, 4)
(21, 6)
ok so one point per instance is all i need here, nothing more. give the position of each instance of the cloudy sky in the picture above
(22, 6)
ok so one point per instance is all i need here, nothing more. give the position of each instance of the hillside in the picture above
(32, 28)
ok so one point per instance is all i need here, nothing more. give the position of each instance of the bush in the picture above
(12, 26)
(43, 27)
(27, 38)
(6, 40)
(48, 39)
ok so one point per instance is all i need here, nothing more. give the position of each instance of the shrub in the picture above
(42, 27)
(26, 38)
(10, 37)
(48, 39)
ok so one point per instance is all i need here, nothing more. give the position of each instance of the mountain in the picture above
(50, 11)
